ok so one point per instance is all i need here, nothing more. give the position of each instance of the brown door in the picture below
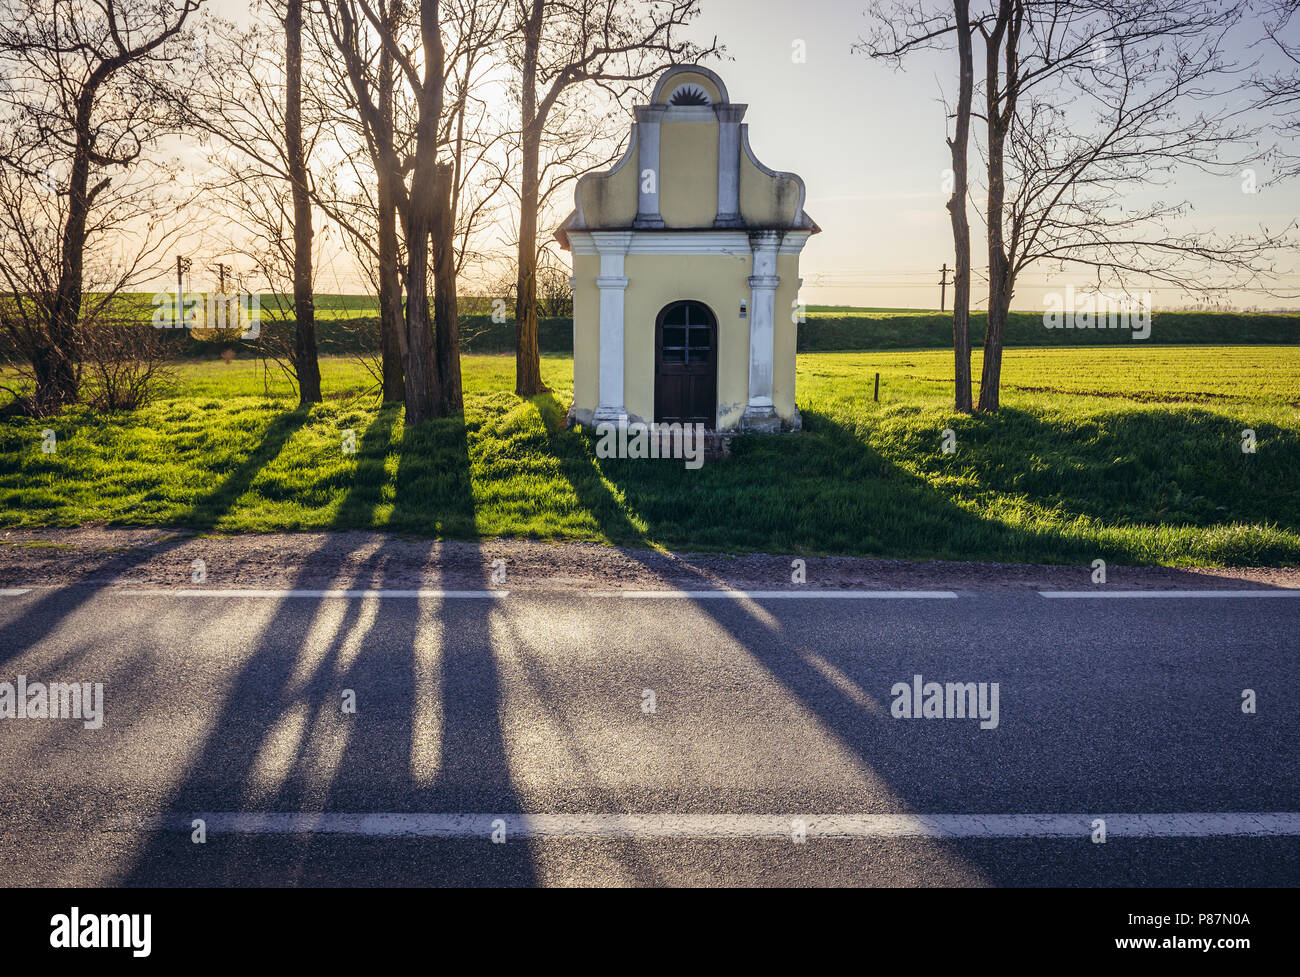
(686, 365)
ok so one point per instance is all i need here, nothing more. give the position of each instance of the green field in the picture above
(1132, 454)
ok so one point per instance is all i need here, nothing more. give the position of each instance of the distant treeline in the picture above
(360, 335)
(820, 333)
(823, 333)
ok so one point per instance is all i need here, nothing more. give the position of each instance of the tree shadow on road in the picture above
(425, 735)
(849, 695)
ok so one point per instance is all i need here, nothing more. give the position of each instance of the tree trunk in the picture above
(55, 366)
(391, 326)
(55, 375)
(999, 113)
(528, 363)
(446, 324)
(305, 361)
(423, 398)
(423, 394)
(957, 210)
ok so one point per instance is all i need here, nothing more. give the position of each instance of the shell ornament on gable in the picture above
(689, 95)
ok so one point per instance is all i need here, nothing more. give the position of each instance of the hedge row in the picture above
(824, 333)
(479, 334)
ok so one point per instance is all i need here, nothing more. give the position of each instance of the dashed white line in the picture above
(779, 594)
(381, 594)
(1194, 594)
(758, 826)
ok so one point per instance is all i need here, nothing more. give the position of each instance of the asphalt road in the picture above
(473, 714)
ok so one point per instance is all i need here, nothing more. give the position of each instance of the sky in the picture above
(868, 141)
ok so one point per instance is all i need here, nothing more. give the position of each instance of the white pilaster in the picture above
(612, 247)
(647, 144)
(760, 412)
(729, 117)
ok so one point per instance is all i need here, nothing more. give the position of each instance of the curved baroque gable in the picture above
(688, 166)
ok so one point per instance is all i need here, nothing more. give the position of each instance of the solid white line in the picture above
(401, 594)
(780, 594)
(1168, 593)
(650, 826)
(14, 591)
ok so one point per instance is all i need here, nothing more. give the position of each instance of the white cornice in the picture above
(679, 242)
(689, 113)
(794, 241)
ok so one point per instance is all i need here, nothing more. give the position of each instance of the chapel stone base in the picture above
(760, 420)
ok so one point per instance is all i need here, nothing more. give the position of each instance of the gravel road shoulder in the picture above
(358, 560)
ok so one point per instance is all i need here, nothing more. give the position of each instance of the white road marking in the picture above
(1168, 593)
(383, 594)
(651, 826)
(13, 591)
(778, 594)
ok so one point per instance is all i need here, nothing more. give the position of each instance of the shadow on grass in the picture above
(816, 492)
(366, 493)
(829, 490)
(209, 509)
(1169, 467)
(435, 491)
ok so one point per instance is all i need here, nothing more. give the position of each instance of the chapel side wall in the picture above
(766, 200)
(785, 336)
(586, 331)
(610, 199)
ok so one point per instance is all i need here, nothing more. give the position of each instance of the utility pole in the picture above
(221, 273)
(182, 266)
(943, 286)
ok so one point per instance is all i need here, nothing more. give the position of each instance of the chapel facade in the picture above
(686, 271)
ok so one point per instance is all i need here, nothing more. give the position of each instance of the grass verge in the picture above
(1133, 456)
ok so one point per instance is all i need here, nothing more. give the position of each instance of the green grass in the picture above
(1131, 454)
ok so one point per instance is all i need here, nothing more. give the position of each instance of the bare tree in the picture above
(959, 149)
(558, 45)
(897, 29)
(247, 97)
(386, 118)
(371, 95)
(476, 136)
(78, 111)
(1280, 88)
(305, 358)
(431, 358)
(1087, 108)
(260, 219)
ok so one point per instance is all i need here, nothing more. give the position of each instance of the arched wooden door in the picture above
(686, 364)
